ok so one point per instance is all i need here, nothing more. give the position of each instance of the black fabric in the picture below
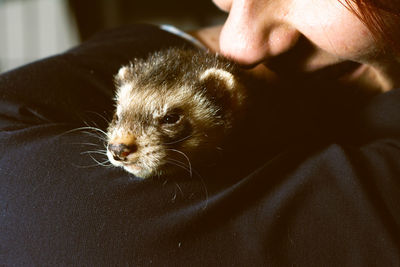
(316, 202)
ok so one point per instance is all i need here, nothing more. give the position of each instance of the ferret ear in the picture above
(124, 74)
(219, 76)
(225, 88)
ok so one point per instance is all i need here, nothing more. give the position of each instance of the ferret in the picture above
(179, 106)
(173, 109)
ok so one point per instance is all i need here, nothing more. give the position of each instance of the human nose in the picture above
(253, 32)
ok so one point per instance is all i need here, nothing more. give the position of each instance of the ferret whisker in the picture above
(187, 158)
(178, 161)
(177, 141)
(88, 125)
(109, 166)
(100, 163)
(95, 135)
(199, 177)
(175, 194)
(205, 189)
(165, 181)
(101, 116)
(88, 144)
(203, 183)
(85, 130)
(101, 152)
(94, 129)
(181, 165)
(179, 188)
(191, 172)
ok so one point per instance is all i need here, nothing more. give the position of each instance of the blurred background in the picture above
(34, 29)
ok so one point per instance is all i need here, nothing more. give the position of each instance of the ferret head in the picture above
(172, 109)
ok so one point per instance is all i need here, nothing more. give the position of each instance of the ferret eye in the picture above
(171, 118)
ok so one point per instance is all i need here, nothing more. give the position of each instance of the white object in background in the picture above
(34, 29)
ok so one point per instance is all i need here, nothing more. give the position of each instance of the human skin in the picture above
(276, 32)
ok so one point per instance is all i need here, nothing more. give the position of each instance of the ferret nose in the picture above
(121, 151)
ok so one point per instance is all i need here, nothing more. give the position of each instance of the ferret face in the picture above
(162, 126)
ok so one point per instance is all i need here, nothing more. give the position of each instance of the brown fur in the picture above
(203, 92)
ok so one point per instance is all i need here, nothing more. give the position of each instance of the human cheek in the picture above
(335, 30)
(350, 43)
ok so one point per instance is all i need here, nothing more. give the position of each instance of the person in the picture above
(326, 198)
(329, 32)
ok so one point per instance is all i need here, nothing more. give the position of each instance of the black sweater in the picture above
(316, 202)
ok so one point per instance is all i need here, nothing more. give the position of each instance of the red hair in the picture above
(382, 17)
